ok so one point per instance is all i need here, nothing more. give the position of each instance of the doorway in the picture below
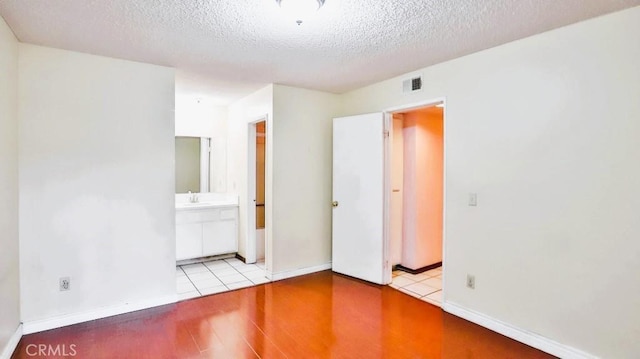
(415, 205)
(256, 171)
(261, 140)
(367, 239)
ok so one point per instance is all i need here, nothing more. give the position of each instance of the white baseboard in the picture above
(531, 339)
(35, 326)
(298, 272)
(12, 344)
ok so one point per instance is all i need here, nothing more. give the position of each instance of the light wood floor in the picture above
(322, 315)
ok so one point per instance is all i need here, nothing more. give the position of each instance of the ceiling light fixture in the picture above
(300, 10)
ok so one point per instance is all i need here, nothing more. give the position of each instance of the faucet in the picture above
(193, 197)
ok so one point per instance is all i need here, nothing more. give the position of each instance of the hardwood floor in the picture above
(322, 315)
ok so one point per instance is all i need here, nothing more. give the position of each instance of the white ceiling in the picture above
(227, 48)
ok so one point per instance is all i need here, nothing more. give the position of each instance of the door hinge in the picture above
(386, 133)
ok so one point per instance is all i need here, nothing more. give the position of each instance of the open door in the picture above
(358, 198)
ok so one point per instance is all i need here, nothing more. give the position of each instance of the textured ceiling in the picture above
(227, 48)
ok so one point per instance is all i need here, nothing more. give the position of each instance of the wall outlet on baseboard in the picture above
(473, 199)
(65, 284)
(471, 281)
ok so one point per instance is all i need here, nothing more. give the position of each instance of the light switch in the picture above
(473, 199)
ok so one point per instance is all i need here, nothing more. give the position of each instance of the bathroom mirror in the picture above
(192, 164)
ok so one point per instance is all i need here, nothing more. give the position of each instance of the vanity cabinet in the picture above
(202, 232)
(188, 240)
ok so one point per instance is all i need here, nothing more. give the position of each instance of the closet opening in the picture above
(416, 162)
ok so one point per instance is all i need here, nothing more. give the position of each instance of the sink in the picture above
(195, 205)
(205, 200)
(189, 205)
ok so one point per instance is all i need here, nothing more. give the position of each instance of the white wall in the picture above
(423, 169)
(199, 116)
(241, 113)
(302, 167)
(545, 130)
(96, 182)
(9, 267)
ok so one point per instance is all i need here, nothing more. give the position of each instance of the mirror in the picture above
(192, 164)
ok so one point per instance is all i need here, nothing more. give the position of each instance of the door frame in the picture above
(205, 164)
(251, 244)
(387, 178)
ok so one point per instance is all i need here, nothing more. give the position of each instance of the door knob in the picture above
(334, 203)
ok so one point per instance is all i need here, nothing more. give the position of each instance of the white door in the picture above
(359, 195)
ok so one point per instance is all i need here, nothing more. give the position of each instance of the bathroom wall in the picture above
(302, 181)
(9, 266)
(96, 165)
(242, 112)
(423, 184)
(199, 116)
(545, 131)
(298, 191)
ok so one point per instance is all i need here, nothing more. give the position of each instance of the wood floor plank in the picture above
(321, 315)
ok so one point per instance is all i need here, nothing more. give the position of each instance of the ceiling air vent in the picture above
(412, 84)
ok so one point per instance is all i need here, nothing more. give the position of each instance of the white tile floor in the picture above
(426, 286)
(217, 276)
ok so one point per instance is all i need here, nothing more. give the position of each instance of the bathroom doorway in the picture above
(416, 178)
(256, 193)
(261, 140)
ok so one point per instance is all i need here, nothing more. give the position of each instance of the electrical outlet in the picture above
(65, 283)
(473, 199)
(471, 281)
